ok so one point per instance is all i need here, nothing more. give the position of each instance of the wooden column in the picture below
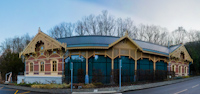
(112, 65)
(86, 62)
(154, 67)
(135, 76)
(154, 64)
(86, 76)
(135, 60)
(112, 68)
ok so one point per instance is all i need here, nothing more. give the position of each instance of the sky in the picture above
(20, 17)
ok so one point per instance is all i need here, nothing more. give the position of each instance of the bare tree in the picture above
(153, 34)
(105, 23)
(62, 30)
(126, 25)
(79, 29)
(90, 25)
(193, 35)
(16, 44)
(179, 35)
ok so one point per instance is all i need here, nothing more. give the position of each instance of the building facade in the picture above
(47, 60)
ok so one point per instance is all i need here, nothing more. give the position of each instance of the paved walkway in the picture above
(107, 89)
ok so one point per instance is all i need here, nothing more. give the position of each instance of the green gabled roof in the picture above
(104, 41)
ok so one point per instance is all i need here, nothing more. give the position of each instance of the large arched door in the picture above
(128, 68)
(79, 69)
(161, 65)
(99, 69)
(145, 69)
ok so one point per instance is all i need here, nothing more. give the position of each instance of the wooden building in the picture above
(47, 59)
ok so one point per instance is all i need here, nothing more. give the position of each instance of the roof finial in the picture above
(126, 34)
(39, 30)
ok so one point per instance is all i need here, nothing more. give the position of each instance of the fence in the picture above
(127, 76)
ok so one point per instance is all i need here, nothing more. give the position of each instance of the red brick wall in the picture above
(60, 60)
(41, 57)
(47, 61)
(31, 58)
(36, 67)
(183, 69)
(54, 55)
(27, 68)
(47, 67)
(59, 66)
(177, 69)
(35, 62)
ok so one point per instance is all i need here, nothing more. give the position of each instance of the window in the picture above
(54, 66)
(42, 48)
(54, 52)
(179, 69)
(41, 66)
(185, 69)
(173, 69)
(182, 56)
(31, 67)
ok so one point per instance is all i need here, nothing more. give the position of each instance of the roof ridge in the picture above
(89, 36)
(150, 43)
(175, 45)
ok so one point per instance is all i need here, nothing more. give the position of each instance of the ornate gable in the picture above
(127, 40)
(125, 43)
(181, 53)
(49, 43)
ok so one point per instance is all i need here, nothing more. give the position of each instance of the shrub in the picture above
(98, 84)
(25, 84)
(50, 86)
(97, 76)
(116, 76)
(186, 76)
(91, 85)
(80, 76)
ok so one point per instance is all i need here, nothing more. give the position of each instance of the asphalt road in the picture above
(186, 87)
(4, 90)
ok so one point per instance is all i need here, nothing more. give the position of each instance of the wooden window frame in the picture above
(43, 66)
(53, 65)
(173, 68)
(185, 69)
(30, 67)
(180, 69)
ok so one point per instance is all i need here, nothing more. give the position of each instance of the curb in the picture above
(102, 90)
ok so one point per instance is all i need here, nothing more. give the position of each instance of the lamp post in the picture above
(71, 67)
(120, 66)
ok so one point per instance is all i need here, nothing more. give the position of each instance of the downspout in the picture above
(63, 68)
(189, 67)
